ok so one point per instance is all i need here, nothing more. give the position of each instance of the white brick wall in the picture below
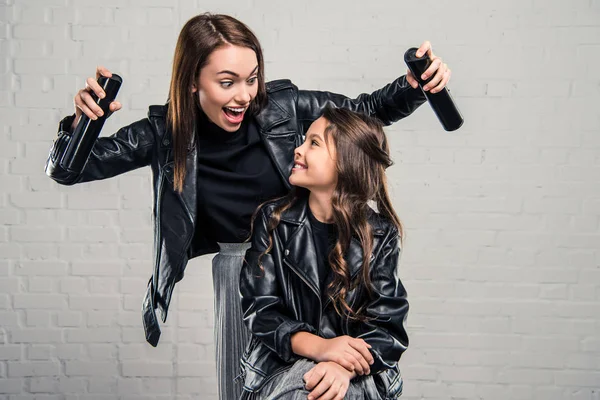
(502, 261)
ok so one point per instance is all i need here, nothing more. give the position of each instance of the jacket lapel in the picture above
(300, 249)
(280, 143)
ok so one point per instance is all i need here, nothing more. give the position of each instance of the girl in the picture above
(320, 292)
(222, 145)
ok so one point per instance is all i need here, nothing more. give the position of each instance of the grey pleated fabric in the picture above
(290, 385)
(231, 335)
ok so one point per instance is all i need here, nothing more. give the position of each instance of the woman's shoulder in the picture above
(279, 85)
(158, 110)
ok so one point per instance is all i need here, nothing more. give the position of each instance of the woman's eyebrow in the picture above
(226, 71)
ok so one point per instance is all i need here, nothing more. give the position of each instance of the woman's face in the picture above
(227, 85)
(314, 161)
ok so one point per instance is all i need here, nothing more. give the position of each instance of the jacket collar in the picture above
(297, 214)
(300, 246)
(271, 115)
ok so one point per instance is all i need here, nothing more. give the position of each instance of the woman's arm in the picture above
(387, 310)
(263, 308)
(127, 149)
(389, 104)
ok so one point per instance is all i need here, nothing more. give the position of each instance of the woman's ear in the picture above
(194, 88)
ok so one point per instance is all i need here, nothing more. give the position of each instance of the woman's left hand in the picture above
(438, 69)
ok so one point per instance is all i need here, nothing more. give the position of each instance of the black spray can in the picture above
(441, 102)
(87, 130)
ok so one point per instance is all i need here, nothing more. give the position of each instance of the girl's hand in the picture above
(437, 67)
(327, 381)
(352, 354)
(85, 104)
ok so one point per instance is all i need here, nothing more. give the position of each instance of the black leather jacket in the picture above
(282, 122)
(284, 297)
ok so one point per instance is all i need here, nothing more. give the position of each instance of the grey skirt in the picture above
(290, 385)
(231, 335)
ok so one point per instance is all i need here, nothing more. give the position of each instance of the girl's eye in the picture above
(314, 142)
(226, 84)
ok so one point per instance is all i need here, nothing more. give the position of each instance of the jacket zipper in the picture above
(311, 288)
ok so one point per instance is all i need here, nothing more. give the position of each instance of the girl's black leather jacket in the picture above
(282, 123)
(282, 296)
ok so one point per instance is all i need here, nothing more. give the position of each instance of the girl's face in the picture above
(227, 84)
(314, 161)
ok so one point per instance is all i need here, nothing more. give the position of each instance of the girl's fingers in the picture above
(323, 386)
(364, 365)
(355, 360)
(361, 346)
(332, 392)
(347, 364)
(313, 377)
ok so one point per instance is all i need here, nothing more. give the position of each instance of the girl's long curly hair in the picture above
(362, 156)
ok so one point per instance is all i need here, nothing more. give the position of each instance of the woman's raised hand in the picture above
(85, 104)
(438, 69)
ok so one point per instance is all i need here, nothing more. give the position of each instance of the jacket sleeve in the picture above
(263, 308)
(127, 149)
(389, 104)
(387, 309)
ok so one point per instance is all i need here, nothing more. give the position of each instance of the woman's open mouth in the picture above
(235, 115)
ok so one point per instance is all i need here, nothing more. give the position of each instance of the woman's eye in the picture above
(252, 80)
(226, 84)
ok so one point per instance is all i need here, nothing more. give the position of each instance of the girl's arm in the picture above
(127, 149)
(263, 309)
(387, 310)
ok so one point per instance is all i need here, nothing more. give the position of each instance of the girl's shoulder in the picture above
(380, 224)
(267, 208)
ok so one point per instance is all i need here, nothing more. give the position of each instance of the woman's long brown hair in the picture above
(199, 37)
(362, 155)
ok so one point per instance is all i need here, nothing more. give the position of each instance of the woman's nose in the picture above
(243, 96)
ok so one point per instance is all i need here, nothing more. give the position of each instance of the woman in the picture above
(222, 145)
(319, 287)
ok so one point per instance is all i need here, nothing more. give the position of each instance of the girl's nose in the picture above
(298, 151)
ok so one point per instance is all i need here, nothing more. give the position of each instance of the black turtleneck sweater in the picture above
(235, 175)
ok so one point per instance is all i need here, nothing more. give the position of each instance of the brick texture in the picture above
(502, 260)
